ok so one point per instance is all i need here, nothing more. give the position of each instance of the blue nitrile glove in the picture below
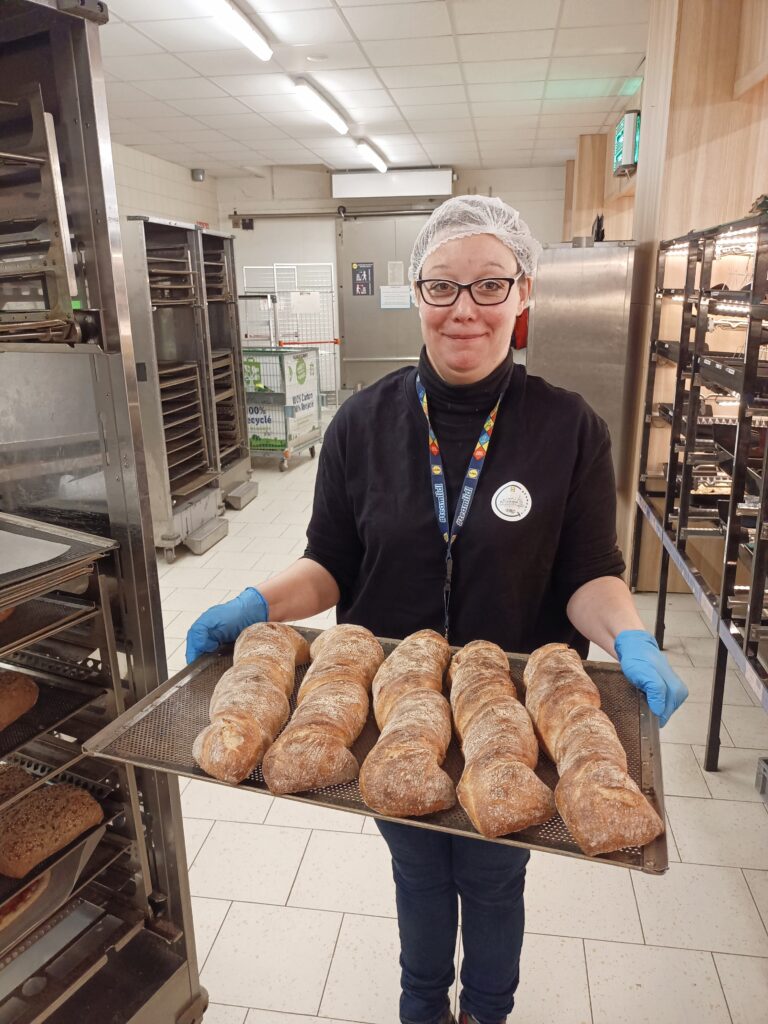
(223, 623)
(646, 668)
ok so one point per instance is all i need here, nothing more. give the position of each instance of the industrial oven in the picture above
(111, 937)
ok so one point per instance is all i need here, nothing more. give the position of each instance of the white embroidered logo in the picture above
(512, 502)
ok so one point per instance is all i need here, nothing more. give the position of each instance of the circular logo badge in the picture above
(511, 502)
(301, 370)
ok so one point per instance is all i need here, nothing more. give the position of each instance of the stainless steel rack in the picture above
(712, 367)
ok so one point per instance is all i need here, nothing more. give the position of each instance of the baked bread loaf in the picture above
(598, 801)
(18, 693)
(13, 780)
(401, 777)
(43, 823)
(249, 705)
(498, 788)
(19, 904)
(6, 613)
(332, 708)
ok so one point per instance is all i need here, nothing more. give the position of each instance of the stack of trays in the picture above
(183, 425)
(170, 277)
(213, 268)
(230, 437)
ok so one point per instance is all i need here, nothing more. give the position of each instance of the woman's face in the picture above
(465, 341)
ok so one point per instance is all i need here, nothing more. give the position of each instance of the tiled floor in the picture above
(294, 905)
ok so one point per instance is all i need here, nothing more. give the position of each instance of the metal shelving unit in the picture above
(713, 482)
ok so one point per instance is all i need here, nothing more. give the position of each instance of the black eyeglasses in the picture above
(487, 291)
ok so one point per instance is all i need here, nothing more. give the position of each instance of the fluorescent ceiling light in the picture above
(369, 154)
(235, 22)
(315, 103)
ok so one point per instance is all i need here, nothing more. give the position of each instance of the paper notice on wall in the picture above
(395, 272)
(398, 297)
(305, 302)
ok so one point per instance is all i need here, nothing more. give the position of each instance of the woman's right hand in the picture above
(223, 623)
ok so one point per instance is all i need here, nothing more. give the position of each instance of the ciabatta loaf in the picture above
(598, 801)
(313, 750)
(18, 693)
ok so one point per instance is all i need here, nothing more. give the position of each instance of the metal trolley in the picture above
(282, 389)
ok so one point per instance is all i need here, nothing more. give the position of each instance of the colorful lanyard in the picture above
(439, 494)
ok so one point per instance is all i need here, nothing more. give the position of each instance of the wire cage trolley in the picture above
(703, 476)
(283, 401)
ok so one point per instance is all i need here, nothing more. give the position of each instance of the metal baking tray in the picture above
(41, 617)
(159, 730)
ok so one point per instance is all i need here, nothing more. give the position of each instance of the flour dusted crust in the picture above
(249, 705)
(498, 788)
(402, 776)
(332, 708)
(598, 801)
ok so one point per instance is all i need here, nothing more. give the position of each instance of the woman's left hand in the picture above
(648, 669)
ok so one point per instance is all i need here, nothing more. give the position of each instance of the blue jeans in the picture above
(431, 871)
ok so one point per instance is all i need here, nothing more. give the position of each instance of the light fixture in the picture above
(373, 158)
(235, 22)
(319, 106)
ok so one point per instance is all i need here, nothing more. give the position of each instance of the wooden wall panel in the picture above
(588, 183)
(752, 60)
(570, 166)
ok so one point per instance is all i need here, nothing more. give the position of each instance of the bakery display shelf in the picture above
(44, 758)
(58, 699)
(669, 350)
(158, 733)
(80, 550)
(41, 617)
(728, 374)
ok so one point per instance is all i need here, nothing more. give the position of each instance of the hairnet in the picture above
(462, 216)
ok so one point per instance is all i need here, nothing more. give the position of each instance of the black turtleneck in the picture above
(457, 413)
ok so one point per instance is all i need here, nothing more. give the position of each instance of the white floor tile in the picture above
(596, 653)
(276, 561)
(177, 661)
(719, 831)
(179, 628)
(745, 983)
(208, 916)
(195, 834)
(566, 896)
(735, 777)
(364, 980)
(194, 598)
(701, 650)
(204, 799)
(248, 862)
(247, 529)
(297, 814)
(275, 1017)
(272, 958)
(677, 658)
(673, 854)
(369, 828)
(758, 886)
(681, 772)
(184, 576)
(237, 579)
(218, 1014)
(689, 725)
(699, 907)
(242, 559)
(548, 992)
(231, 544)
(260, 512)
(747, 727)
(348, 873)
(642, 985)
(699, 683)
(687, 624)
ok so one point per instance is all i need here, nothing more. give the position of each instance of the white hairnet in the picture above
(462, 216)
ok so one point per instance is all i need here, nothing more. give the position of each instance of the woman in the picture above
(467, 497)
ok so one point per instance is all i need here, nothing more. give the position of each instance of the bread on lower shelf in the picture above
(598, 801)
(332, 707)
(498, 788)
(18, 693)
(249, 705)
(402, 776)
(13, 780)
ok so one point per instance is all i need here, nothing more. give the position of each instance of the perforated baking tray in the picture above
(41, 617)
(158, 732)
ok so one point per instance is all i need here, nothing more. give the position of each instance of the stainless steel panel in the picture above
(375, 341)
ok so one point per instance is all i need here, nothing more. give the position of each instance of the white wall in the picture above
(537, 192)
(154, 187)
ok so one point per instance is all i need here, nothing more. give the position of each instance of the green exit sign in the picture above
(626, 143)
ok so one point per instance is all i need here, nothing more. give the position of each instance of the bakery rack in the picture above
(703, 478)
(159, 732)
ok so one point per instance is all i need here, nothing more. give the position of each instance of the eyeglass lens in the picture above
(487, 292)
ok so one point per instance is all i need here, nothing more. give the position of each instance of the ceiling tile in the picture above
(506, 71)
(363, 98)
(150, 10)
(437, 110)
(577, 13)
(141, 108)
(168, 124)
(150, 67)
(505, 92)
(522, 159)
(254, 85)
(182, 88)
(551, 157)
(265, 6)
(429, 94)
(374, 3)
(347, 81)
(416, 77)
(273, 103)
(294, 59)
(446, 138)
(506, 108)
(582, 88)
(122, 40)
(487, 135)
(506, 45)
(249, 126)
(212, 105)
(137, 138)
(392, 53)
(403, 140)
(198, 138)
(312, 27)
(440, 124)
(183, 35)
(584, 122)
(123, 91)
(607, 39)
(230, 62)
(375, 115)
(593, 104)
(386, 21)
(503, 16)
(606, 65)
(389, 126)
(548, 133)
(296, 122)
